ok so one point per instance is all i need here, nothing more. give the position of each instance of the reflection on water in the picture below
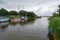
(28, 30)
(12, 23)
(4, 25)
(27, 22)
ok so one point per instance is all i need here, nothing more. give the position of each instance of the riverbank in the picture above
(17, 16)
(54, 25)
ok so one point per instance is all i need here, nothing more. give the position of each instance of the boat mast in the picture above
(18, 8)
(23, 9)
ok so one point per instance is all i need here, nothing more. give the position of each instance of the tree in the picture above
(57, 13)
(25, 13)
(54, 14)
(22, 13)
(3, 12)
(59, 10)
(31, 14)
(12, 13)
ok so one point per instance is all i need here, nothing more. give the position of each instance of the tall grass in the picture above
(55, 26)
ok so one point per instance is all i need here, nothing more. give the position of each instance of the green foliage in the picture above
(58, 10)
(22, 13)
(59, 6)
(25, 13)
(31, 14)
(12, 16)
(55, 26)
(57, 13)
(55, 23)
(58, 33)
(12, 13)
(3, 12)
(38, 16)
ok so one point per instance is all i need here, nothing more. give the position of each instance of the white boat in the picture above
(4, 19)
(23, 18)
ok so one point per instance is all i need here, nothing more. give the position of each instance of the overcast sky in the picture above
(40, 7)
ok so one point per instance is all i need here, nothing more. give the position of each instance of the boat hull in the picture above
(3, 21)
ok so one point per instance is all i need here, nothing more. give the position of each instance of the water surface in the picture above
(35, 30)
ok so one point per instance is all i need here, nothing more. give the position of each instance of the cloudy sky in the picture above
(40, 7)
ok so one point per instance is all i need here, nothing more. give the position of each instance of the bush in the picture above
(55, 26)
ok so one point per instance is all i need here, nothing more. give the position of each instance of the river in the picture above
(36, 30)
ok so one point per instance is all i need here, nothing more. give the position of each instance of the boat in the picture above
(4, 19)
(23, 18)
(15, 20)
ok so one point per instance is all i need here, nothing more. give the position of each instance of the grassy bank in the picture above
(55, 26)
(16, 16)
(38, 17)
(13, 16)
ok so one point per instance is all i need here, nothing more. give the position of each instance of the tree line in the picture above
(4, 12)
(57, 13)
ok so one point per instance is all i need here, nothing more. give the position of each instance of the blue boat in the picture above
(3, 19)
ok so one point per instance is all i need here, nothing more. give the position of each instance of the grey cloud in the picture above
(2, 2)
(32, 5)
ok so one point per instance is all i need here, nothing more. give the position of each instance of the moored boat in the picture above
(15, 20)
(23, 18)
(4, 19)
